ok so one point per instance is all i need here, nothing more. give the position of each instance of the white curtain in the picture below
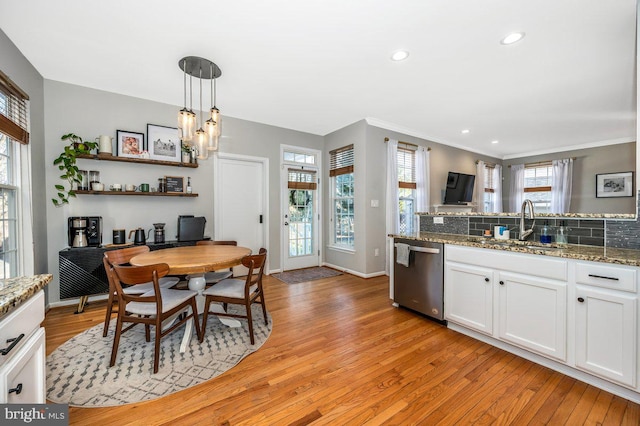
(422, 180)
(561, 177)
(478, 192)
(391, 199)
(516, 189)
(497, 189)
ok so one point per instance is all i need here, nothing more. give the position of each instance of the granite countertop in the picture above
(14, 291)
(630, 216)
(568, 251)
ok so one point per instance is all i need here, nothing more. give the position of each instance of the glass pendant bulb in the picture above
(202, 144)
(215, 116)
(186, 123)
(210, 129)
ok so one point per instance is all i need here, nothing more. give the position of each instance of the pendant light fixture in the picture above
(206, 137)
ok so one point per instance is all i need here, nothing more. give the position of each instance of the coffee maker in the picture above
(85, 231)
(158, 234)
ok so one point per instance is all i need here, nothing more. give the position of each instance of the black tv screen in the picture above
(459, 188)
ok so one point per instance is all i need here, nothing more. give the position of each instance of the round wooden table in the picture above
(195, 261)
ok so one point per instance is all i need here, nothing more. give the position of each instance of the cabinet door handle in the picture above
(580, 299)
(486, 279)
(13, 342)
(501, 282)
(17, 389)
(604, 278)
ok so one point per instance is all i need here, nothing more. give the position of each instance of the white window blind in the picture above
(406, 168)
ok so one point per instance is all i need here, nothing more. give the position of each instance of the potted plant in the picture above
(186, 152)
(66, 163)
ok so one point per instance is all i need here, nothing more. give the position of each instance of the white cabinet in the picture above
(22, 365)
(606, 322)
(532, 314)
(468, 294)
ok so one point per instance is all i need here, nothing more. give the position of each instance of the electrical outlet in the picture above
(438, 219)
(376, 252)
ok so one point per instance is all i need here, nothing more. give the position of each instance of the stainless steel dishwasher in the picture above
(420, 286)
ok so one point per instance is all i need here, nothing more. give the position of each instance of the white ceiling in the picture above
(319, 65)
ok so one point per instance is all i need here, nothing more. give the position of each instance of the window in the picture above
(537, 185)
(406, 189)
(342, 184)
(489, 187)
(298, 157)
(302, 185)
(13, 129)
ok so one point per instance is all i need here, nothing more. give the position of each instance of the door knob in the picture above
(501, 282)
(580, 299)
(286, 224)
(486, 279)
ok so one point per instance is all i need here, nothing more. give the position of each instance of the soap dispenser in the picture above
(562, 235)
(545, 233)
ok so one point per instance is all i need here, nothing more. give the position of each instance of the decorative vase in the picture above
(186, 157)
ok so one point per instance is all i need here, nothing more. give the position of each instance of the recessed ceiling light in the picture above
(400, 55)
(465, 131)
(494, 142)
(512, 38)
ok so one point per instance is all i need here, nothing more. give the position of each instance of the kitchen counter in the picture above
(569, 251)
(15, 291)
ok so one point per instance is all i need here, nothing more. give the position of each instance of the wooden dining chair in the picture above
(217, 276)
(152, 307)
(239, 292)
(121, 257)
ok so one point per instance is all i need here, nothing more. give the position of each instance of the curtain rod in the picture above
(540, 163)
(407, 143)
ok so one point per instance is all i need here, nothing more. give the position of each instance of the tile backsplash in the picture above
(616, 233)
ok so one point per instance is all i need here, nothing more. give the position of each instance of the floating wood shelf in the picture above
(136, 160)
(146, 194)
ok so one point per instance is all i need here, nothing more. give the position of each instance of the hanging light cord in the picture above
(184, 67)
(201, 97)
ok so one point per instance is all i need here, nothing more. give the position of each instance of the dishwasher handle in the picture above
(422, 249)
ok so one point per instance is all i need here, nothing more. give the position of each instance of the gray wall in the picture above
(588, 163)
(20, 70)
(89, 113)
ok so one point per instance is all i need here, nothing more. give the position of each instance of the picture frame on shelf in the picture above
(163, 143)
(175, 183)
(129, 144)
(609, 185)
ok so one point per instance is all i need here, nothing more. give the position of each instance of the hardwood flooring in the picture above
(340, 354)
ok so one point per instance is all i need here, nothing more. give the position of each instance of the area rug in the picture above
(307, 274)
(78, 372)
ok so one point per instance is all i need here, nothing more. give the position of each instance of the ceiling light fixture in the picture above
(205, 141)
(494, 142)
(465, 131)
(400, 55)
(512, 38)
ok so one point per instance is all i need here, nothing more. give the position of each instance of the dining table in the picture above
(194, 261)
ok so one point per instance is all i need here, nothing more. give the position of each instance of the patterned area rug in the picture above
(78, 372)
(307, 274)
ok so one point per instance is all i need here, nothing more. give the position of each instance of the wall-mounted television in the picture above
(459, 188)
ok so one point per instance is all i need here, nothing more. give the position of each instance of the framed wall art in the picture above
(129, 144)
(614, 185)
(163, 143)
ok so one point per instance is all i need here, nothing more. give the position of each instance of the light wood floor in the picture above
(340, 354)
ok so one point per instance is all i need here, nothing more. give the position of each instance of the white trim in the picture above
(341, 248)
(356, 273)
(75, 301)
(569, 148)
(217, 205)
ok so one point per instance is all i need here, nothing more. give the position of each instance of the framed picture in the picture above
(129, 144)
(175, 183)
(164, 143)
(614, 185)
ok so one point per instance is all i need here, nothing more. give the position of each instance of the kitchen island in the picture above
(572, 308)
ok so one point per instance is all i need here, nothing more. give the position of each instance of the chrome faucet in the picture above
(524, 233)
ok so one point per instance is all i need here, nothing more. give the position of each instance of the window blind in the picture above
(489, 184)
(341, 161)
(302, 179)
(13, 110)
(406, 168)
(537, 177)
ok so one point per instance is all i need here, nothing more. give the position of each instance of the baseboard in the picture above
(356, 273)
(69, 302)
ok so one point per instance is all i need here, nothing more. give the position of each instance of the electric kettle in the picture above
(140, 238)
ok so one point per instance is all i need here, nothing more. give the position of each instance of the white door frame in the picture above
(265, 193)
(284, 196)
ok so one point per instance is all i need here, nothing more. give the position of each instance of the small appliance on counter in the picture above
(84, 231)
(158, 233)
(140, 237)
(191, 228)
